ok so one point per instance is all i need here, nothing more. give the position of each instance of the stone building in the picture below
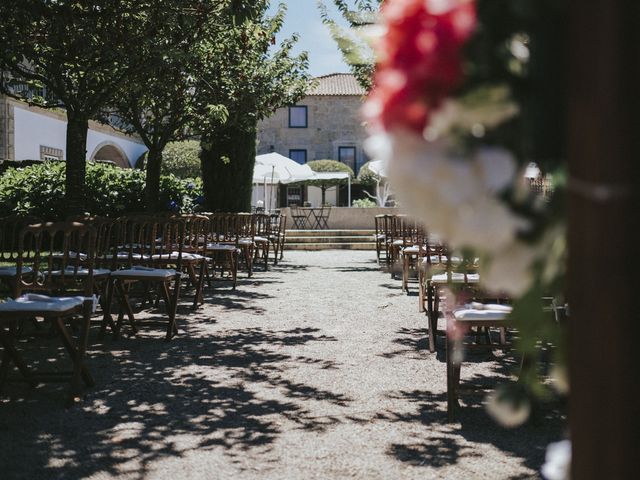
(33, 133)
(326, 124)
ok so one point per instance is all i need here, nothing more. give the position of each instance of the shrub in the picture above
(181, 159)
(330, 166)
(366, 177)
(111, 191)
(364, 203)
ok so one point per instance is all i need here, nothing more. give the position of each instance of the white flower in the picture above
(454, 196)
(557, 465)
(508, 412)
(510, 270)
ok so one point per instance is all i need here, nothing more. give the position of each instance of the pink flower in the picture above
(420, 60)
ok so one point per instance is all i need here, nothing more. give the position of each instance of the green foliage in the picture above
(364, 203)
(85, 56)
(181, 159)
(251, 77)
(39, 190)
(352, 42)
(329, 166)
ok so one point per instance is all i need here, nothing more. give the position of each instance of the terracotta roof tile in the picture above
(337, 84)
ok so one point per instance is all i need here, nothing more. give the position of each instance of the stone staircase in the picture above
(330, 240)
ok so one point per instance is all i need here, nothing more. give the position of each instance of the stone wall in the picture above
(332, 122)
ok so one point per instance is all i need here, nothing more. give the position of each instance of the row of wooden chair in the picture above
(87, 261)
(444, 280)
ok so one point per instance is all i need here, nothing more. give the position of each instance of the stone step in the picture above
(330, 246)
(336, 239)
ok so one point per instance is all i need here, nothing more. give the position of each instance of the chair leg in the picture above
(453, 379)
(421, 287)
(172, 307)
(432, 313)
(11, 354)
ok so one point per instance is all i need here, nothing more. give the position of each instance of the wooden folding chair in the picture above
(262, 232)
(224, 244)
(10, 229)
(151, 249)
(58, 288)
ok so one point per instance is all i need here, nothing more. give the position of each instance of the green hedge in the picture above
(111, 191)
(181, 159)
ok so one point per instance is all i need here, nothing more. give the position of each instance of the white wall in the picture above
(33, 130)
(258, 193)
(314, 196)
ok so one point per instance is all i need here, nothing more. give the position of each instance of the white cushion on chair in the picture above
(414, 250)
(41, 303)
(485, 312)
(125, 256)
(83, 272)
(261, 239)
(175, 255)
(145, 272)
(456, 277)
(8, 272)
(221, 247)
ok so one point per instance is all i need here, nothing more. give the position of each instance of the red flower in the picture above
(419, 60)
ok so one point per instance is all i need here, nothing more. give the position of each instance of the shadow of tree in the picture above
(413, 343)
(155, 400)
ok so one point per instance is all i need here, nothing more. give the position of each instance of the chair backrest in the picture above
(10, 228)
(143, 237)
(261, 225)
(196, 232)
(56, 258)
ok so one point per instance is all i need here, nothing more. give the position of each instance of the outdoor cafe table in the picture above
(310, 217)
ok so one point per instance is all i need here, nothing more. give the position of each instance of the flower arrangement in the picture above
(466, 94)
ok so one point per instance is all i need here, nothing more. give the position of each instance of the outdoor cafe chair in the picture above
(300, 219)
(321, 217)
(151, 249)
(55, 284)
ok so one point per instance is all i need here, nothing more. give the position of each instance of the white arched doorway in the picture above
(110, 152)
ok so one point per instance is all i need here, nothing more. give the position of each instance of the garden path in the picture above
(318, 368)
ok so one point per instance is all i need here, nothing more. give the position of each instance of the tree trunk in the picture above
(152, 186)
(76, 165)
(603, 265)
(227, 158)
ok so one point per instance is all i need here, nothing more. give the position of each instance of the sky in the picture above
(303, 18)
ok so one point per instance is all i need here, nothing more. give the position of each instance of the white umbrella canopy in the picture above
(378, 167)
(281, 169)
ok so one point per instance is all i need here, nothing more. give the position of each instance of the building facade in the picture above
(33, 133)
(326, 124)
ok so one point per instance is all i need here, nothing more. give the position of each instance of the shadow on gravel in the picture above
(473, 425)
(412, 342)
(155, 400)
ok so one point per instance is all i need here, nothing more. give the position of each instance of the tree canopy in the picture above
(251, 78)
(81, 55)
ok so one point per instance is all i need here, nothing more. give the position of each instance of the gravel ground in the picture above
(318, 368)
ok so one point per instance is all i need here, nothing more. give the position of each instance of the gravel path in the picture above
(318, 368)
